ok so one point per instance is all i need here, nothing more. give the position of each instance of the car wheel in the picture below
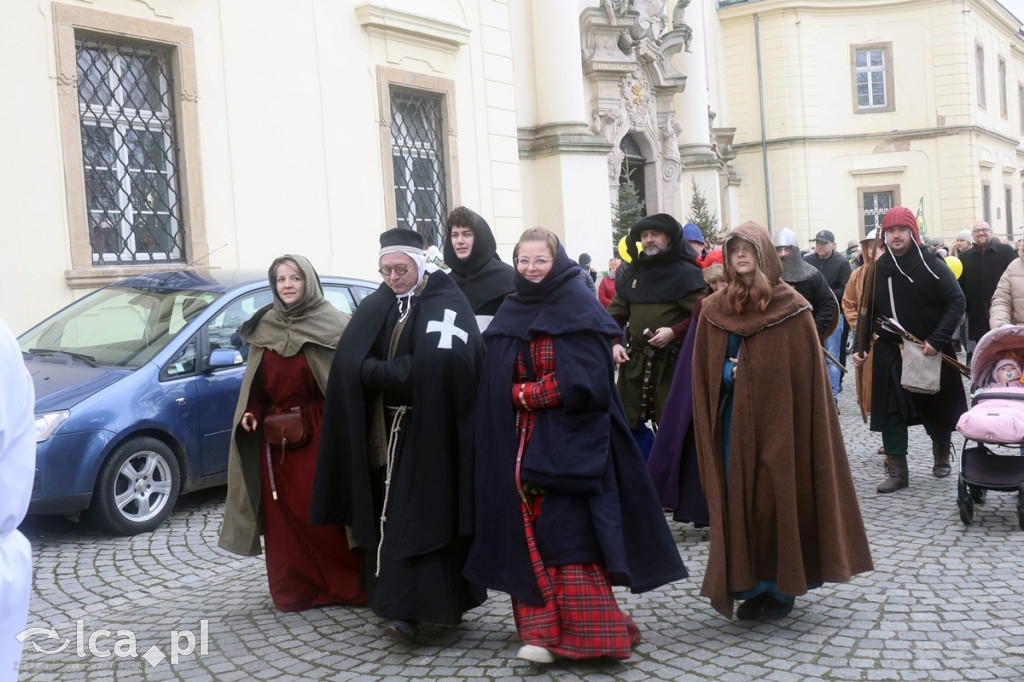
(137, 487)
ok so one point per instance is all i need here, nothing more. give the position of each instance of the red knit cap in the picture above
(901, 215)
(712, 258)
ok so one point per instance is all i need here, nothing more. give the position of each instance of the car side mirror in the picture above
(225, 357)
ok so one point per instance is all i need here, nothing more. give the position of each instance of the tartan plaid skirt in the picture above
(579, 618)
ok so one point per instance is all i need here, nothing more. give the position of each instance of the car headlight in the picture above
(48, 422)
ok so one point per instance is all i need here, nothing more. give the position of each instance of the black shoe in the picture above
(753, 608)
(401, 631)
(776, 608)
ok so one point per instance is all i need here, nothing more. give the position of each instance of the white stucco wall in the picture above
(289, 130)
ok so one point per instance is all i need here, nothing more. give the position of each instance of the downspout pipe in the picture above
(764, 127)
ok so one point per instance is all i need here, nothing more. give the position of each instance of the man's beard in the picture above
(652, 250)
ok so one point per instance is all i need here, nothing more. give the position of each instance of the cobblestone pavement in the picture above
(945, 602)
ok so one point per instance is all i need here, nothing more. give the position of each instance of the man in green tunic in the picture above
(654, 298)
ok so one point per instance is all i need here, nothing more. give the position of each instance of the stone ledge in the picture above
(384, 22)
(561, 138)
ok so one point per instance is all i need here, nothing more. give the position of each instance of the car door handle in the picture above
(180, 401)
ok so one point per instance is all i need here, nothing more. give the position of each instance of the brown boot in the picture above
(940, 455)
(898, 476)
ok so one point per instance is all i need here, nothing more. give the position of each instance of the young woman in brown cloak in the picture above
(783, 510)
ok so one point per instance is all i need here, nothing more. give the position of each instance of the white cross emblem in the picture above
(447, 329)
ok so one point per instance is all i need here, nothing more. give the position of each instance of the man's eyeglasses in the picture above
(539, 262)
(400, 270)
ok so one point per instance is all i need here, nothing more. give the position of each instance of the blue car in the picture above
(136, 386)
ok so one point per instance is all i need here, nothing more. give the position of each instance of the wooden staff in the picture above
(833, 359)
(864, 326)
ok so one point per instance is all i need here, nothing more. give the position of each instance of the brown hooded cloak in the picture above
(788, 512)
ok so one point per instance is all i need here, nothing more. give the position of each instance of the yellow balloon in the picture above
(955, 265)
(624, 252)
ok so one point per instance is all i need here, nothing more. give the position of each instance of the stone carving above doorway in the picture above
(627, 57)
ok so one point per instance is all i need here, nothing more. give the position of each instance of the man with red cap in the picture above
(914, 287)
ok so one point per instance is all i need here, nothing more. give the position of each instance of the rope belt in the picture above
(396, 427)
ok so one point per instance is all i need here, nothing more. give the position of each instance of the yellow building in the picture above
(866, 104)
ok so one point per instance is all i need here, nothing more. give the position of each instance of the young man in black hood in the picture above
(472, 254)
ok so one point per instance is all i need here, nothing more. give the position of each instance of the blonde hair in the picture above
(537, 234)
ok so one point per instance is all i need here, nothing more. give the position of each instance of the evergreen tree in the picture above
(701, 216)
(625, 212)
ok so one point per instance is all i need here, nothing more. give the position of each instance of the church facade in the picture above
(151, 134)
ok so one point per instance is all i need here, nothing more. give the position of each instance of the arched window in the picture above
(633, 169)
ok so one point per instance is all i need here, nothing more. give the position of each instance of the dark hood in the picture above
(666, 276)
(483, 276)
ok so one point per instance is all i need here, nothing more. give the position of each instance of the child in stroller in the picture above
(995, 422)
(1007, 372)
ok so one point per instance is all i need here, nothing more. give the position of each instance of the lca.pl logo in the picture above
(97, 643)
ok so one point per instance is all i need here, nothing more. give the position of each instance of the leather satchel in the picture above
(921, 373)
(286, 428)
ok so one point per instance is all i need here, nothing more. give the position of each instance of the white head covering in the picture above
(419, 258)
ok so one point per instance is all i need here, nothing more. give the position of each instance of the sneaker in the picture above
(753, 608)
(401, 631)
(534, 653)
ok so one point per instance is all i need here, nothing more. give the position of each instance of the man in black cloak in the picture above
(396, 452)
(914, 287)
(472, 254)
(654, 297)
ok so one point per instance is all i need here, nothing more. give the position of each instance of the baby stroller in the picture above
(994, 422)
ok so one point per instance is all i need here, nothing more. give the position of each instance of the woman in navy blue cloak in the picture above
(565, 507)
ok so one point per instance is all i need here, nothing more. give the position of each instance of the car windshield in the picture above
(117, 326)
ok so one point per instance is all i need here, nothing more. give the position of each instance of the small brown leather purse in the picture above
(286, 428)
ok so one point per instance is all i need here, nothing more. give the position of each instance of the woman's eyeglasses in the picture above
(400, 270)
(539, 262)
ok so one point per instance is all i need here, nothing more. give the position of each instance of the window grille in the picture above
(129, 148)
(417, 153)
(876, 204)
(871, 78)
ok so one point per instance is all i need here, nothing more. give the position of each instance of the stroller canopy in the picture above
(990, 348)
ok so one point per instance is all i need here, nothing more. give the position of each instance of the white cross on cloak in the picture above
(447, 329)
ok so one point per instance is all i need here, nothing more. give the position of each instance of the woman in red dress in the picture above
(270, 483)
